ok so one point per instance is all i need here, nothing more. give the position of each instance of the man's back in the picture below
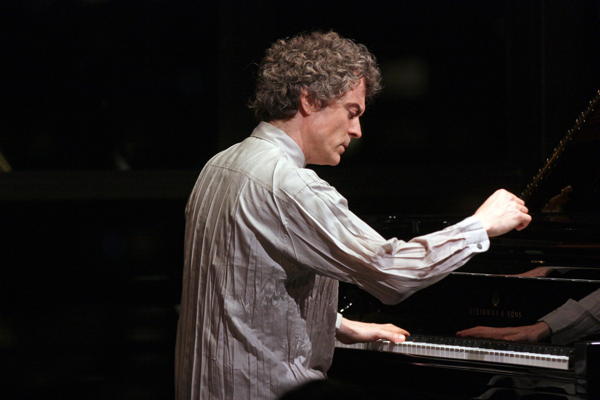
(252, 309)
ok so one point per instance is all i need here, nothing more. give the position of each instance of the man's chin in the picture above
(335, 161)
(332, 162)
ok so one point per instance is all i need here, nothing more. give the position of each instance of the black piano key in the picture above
(539, 348)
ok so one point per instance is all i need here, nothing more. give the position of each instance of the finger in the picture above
(485, 335)
(401, 331)
(396, 329)
(397, 334)
(391, 336)
(398, 338)
(468, 332)
(513, 338)
(526, 219)
(481, 332)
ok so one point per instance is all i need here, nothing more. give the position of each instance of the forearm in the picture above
(402, 268)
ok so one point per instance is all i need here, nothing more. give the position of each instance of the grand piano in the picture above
(495, 289)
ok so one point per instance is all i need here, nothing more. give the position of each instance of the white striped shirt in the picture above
(266, 242)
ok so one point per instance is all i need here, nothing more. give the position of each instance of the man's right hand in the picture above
(502, 212)
(358, 332)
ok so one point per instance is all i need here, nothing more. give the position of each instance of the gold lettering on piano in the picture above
(493, 312)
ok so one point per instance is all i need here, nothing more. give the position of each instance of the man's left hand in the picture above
(526, 333)
(356, 332)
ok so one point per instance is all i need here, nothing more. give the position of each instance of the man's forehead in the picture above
(355, 97)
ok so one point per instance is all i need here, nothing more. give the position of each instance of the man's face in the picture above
(332, 128)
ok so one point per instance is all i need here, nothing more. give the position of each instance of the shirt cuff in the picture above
(475, 235)
(338, 321)
(563, 317)
(569, 322)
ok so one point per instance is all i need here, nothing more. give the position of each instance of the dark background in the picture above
(112, 107)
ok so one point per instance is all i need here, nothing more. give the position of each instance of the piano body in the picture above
(492, 290)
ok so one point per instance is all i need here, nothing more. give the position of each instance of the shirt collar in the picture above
(279, 138)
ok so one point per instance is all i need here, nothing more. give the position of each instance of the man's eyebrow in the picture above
(357, 108)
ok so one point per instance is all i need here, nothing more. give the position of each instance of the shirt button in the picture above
(479, 246)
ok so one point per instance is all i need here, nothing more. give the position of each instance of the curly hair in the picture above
(326, 65)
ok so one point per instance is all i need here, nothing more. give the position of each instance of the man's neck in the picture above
(293, 128)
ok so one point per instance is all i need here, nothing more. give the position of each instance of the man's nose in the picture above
(355, 130)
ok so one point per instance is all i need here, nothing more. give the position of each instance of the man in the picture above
(267, 240)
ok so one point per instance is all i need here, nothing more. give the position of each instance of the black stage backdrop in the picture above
(112, 107)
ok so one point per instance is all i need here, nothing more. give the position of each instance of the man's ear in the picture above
(306, 107)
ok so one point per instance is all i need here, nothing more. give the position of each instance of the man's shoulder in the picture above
(265, 164)
(245, 156)
(296, 181)
(308, 177)
(259, 161)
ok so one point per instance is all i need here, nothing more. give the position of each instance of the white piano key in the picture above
(466, 353)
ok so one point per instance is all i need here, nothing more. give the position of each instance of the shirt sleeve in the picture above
(338, 321)
(326, 236)
(575, 319)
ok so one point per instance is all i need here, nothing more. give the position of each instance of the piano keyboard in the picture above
(535, 355)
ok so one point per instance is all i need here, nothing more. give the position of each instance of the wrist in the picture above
(484, 223)
(540, 331)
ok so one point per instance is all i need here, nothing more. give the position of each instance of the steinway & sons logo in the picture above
(496, 310)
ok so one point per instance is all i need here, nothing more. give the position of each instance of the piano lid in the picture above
(569, 182)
